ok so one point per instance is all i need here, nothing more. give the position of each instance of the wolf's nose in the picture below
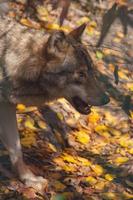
(105, 99)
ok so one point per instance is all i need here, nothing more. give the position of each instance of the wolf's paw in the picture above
(37, 182)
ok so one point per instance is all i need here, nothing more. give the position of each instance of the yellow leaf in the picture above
(129, 86)
(121, 160)
(109, 196)
(94, 117)
(122, 75)
(91, 180)
(69, 168)
(29, 23)
(84, 161)
(60, 116)
(117, 40)
(109, 177)
(97, 169)
(83, 137)
(43, 13)
(114, 132)
(69, 158)
(21, 107)
(125, 141)
(42, 124)
(52, 26)
(52, 147)
(130, 151)
(66, 29)
(83, 20)
(110, 119)
(111, 67)
(101, 128)
(131, 114)
(93, 24)
(90, 30)
(100, 185)
(29, 123)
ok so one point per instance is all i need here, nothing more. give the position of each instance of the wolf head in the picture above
(69, 72)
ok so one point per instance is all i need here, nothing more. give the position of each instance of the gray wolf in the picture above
(37, 67)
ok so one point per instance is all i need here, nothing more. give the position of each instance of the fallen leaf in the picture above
(97, 169)
(121, 160)
(91, 180)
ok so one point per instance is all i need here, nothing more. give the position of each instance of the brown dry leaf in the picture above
(59, 161)
(28, 141)
(120, 35)
(29, 193)
(68, 195)
(106, 52)
(129, 183)
(127, 195)
(58, 186)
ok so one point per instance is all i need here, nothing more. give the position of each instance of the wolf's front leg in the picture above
(10, 137)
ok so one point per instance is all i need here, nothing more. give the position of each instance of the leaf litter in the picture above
(90, 165)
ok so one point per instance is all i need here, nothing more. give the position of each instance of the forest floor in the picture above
(82, 157)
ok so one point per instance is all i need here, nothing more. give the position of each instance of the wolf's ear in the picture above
(56, 43)
(77, 33)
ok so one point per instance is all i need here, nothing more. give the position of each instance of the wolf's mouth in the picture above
(81, 106)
